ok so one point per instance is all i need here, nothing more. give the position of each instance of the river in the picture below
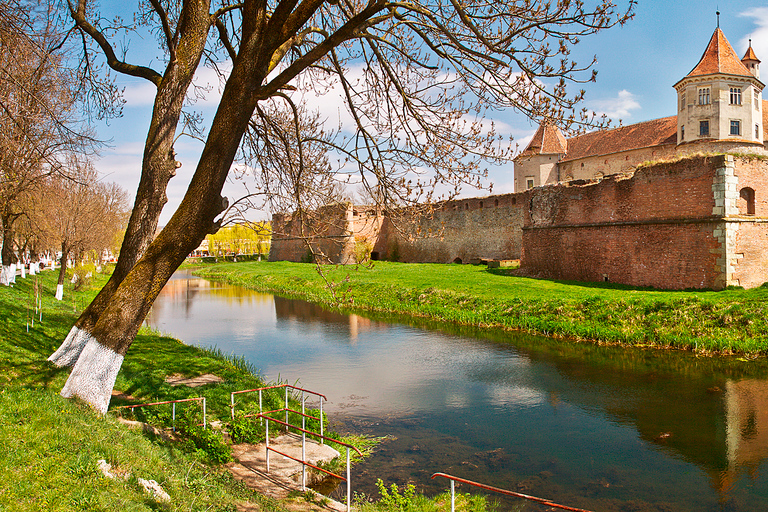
(601, 428)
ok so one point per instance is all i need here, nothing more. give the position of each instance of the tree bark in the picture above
(94, 373)
(158, 167)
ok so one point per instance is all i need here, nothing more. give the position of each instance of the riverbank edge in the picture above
(731, 322)
(51, 476)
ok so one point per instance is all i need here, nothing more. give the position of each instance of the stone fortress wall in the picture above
(696, 222)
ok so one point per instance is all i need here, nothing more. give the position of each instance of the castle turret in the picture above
(720, 99)
(751, 62)
(537, 164)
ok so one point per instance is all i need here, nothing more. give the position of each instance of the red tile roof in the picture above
(547, 140)
(719, 57)
(750, 55)
(635, 136)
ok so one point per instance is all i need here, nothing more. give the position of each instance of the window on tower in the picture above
(735, 127)
(735, 95)
(703, 128)
(704, 97)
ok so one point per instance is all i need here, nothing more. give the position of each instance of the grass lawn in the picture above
(728, 322)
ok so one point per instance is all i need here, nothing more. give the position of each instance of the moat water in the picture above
(594, 427)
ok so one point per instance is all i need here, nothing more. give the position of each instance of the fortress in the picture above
(678, 202)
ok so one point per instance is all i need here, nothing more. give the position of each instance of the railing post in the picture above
(260, 408)
(322, 441)
(267, 452)
(232, 404)
(303, 444)
(349, 484)
(205, 424)
(173, 416)
(453, 497)
(286, 407)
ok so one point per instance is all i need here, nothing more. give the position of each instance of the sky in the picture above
(637, 66)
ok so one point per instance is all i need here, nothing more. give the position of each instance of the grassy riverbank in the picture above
(51, 446)
(728, 322)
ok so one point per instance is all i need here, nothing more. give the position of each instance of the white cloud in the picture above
(139, 94)
(616, 108)
(759, 36)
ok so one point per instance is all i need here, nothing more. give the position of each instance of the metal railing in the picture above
(173, 408)
(285, 408)
(542, 501)
(302, 461)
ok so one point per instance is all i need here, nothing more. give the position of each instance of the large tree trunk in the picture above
(158, 167)
(93, 375)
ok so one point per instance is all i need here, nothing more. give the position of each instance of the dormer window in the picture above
(704, 97)
(735, 95)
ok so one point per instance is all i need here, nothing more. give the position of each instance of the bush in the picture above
(246, 430)
(209, 444)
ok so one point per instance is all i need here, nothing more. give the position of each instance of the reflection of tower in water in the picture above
(746, 409)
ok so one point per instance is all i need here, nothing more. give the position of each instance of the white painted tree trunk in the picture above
(12, 274)
(59, 291)
(71, 348)
(93, 375)
(23, 271)
(4, 275)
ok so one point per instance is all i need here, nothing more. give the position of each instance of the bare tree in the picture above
(78, 213)
(427, 73)
(38, 115)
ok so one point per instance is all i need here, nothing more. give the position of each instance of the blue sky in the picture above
(637, 66)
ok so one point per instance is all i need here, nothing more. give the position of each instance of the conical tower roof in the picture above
(750, 55)
(547, 140)
(719, 58)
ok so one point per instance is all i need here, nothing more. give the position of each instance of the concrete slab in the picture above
(285, 474)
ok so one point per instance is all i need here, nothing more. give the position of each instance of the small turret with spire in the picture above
(751, 61)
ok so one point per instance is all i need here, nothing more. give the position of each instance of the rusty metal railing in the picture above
(542, 501)
(302, 461)
(173, 408)
(285, 408)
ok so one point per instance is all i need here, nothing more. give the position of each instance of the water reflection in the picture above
(591, 426)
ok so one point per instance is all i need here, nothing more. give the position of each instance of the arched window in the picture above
(747, 201)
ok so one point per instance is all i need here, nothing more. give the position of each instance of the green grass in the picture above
(51, 446)
(726, 322)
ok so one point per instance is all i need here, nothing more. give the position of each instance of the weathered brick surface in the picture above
(671, 225)
(477, 228)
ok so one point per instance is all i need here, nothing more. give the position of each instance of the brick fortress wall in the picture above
(670, 225)
(461, 230)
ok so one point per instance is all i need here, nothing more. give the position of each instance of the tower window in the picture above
(756, 96)
(682, 100)
(682, 133)
(747, 201)
(529, 183)
(735, 127)
(757, 132)
(703, 128)
(735, 95)
(704, 97)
